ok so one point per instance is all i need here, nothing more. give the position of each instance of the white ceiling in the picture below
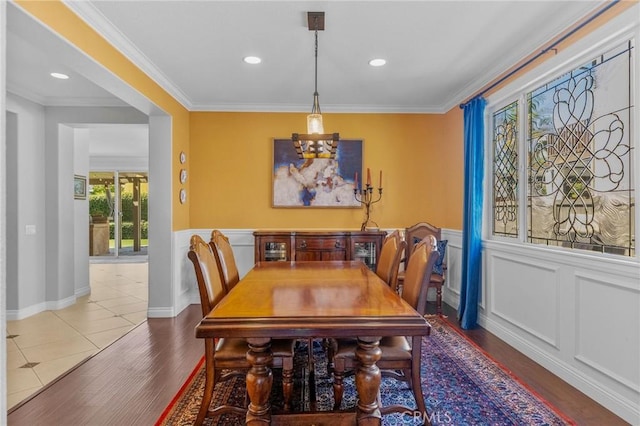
(439, 53)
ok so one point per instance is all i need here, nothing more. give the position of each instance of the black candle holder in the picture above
(365, 197)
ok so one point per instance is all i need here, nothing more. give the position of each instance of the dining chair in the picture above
(389, 260)
(220, 245)
(400, 356)
(229, 353)
(415, 234)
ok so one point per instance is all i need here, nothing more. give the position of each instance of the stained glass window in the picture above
(505, 171)
(580, 168)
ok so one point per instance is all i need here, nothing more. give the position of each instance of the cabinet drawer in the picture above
(304, 243)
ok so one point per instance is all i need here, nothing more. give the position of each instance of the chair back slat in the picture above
(416, 233)
(389, 260)
(220, 243)
(208, 276)
(418, 273)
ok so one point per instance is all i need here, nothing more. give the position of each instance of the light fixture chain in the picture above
(316, 53)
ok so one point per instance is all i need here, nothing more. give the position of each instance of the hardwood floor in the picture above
(570, 401)
(129, 383)
(133, 380)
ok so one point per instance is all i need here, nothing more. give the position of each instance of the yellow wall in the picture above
(231, 162)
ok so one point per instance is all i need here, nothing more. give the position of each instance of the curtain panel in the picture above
(472, 219)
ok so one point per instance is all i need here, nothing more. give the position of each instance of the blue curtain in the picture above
(472, 219)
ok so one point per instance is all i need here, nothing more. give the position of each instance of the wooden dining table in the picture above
(328, 299)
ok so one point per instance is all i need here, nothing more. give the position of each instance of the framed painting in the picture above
(79, 187)
(317, 182)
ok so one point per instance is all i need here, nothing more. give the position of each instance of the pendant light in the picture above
(315, 143)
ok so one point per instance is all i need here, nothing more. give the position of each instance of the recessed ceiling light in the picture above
(253, 60)
(377, 62)
(59, 75)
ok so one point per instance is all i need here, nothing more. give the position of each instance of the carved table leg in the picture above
(368, 378)
(259, 381)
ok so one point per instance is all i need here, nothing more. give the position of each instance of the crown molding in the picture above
(96, 20)
(326, 108)
(50, 101)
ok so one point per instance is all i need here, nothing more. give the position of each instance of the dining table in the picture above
(312, 299)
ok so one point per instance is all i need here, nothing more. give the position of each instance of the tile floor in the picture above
(44, 346)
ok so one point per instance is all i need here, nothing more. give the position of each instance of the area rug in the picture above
(462, 385)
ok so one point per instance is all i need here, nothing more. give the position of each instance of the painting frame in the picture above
(79, 187)
(318, 182)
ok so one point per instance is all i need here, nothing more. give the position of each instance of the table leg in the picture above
(259, 381)
(368, 378)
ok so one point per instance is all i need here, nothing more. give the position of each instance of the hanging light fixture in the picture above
(315, 143)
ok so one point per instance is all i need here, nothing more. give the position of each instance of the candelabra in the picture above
(365, 196)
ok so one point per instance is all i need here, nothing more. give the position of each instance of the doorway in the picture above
(119, 213)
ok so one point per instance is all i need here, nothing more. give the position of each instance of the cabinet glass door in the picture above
(275, 251)
(366, 252)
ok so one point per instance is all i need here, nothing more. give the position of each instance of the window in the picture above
(505, 171)
(578, 147)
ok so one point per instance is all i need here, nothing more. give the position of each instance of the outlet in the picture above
(30, 229)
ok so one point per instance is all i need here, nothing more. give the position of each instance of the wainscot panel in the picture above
(611, 354)
(516, 279)
(594, 301)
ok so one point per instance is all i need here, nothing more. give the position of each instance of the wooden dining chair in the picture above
(229, 353)
(400, 356)
(415, 234)
(389, 260)
(220, 245)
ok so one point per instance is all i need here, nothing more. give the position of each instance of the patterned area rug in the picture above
(461, 384)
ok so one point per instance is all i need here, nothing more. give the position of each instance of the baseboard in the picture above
(83, 291)
(625, 408)
(19, 314)
(162, 312)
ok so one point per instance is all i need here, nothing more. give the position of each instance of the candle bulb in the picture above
(380, 185)
(368, 177)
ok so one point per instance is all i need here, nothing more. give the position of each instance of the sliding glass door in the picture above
(133, 190)
(119, 221)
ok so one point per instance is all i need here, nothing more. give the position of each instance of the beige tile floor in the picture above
(44, 346)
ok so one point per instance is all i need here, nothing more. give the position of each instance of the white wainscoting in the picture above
(575, 313)
(516, 278)
(453, 257)
(185, 289)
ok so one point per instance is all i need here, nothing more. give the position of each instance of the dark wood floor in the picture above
(133, 380)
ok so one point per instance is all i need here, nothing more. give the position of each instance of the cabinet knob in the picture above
(337, 245)
(303, 244)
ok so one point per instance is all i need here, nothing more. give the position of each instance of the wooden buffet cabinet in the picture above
(318, 245)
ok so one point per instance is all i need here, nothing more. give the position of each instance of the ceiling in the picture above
(439, 53)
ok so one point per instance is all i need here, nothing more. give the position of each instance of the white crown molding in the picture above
(25, 93)
(96, 20)
(29, 95)
(330, 109)
(84, 102)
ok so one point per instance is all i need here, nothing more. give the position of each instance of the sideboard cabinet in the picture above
(318, 245)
